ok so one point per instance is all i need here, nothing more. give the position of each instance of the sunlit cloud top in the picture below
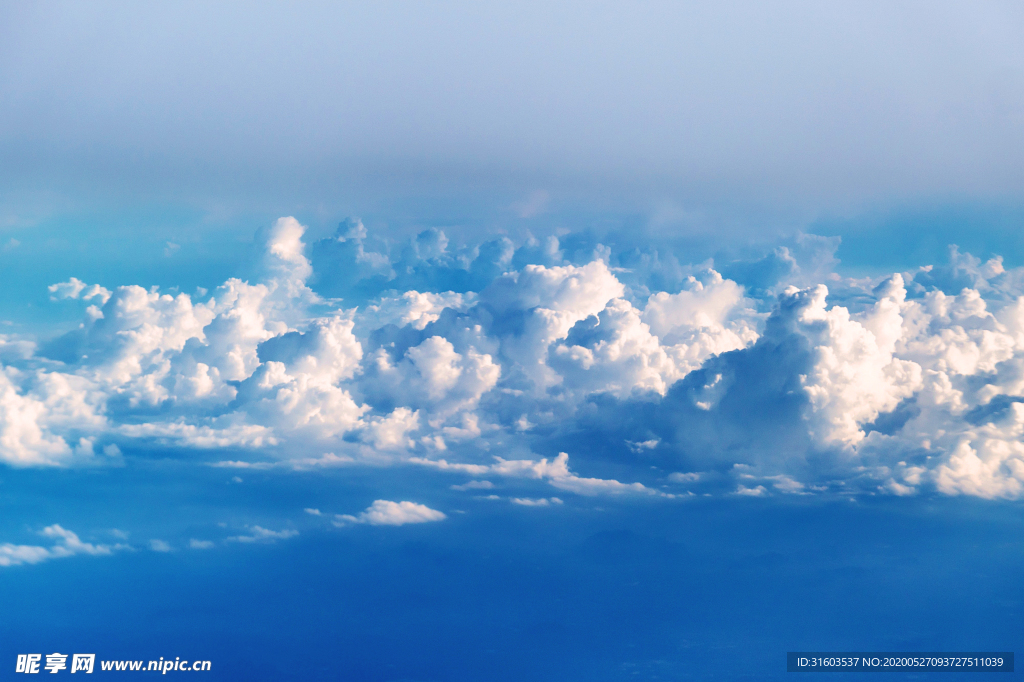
(548, 360)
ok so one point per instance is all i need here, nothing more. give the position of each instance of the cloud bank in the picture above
(496, 360)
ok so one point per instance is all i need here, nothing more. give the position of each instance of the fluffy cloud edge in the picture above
(388, 513)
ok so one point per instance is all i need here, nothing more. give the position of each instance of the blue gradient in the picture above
(694, 589)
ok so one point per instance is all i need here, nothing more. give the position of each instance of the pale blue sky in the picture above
(798, 106)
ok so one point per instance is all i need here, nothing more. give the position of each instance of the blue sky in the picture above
(458, 342)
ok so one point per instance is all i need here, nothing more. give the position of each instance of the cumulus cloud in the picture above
(415, 309)
(42, 414)
(433, 376)
(771, 374)
(853, 375)
(387, 513)
(67, 544)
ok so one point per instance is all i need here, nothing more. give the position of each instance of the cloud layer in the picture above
(495, 360)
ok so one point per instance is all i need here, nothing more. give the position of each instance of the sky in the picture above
(463, 341)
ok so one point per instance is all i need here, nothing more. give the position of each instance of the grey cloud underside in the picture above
(563, 361)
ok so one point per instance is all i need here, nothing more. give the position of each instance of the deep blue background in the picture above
(595, 589)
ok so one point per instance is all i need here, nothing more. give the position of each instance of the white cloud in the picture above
(67, 544)
(555, 472)
(988, 467)
(550, 301)
(707, 304)
(623, 349)
(474, 485)
(892, 486)
(246, 435)
(536, 502)
(855, 375)
(786, 484)
(413, 308)
(387, 513)
(261, 534)
(285, 258)
(33, 418)
(159, 546)
(328, 459)
(435, 378)
(14, 348)
(621, 356)
(392, 432)
(75, 288)
(200, 544)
